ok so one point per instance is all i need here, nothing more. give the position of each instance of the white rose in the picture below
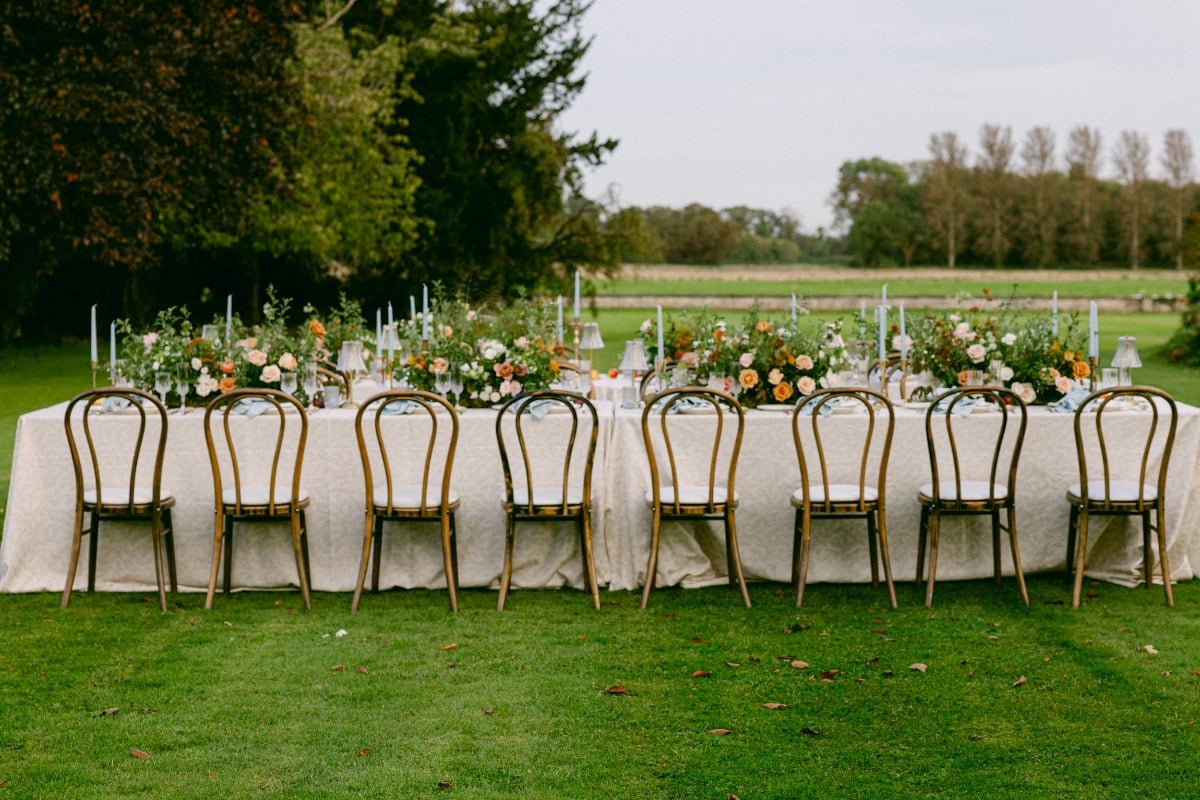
(197, 363)
(271, 374)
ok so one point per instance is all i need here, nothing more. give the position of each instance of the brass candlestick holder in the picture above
(95, 370)
(1094, 364)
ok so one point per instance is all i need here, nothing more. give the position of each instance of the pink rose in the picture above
(806, 385)
(149, 339)
(287, 361)
(746, 360)
(257, 357)
(1063, 384)
(977, 353)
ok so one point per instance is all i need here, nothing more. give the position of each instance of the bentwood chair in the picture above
(119, 480)
(698, 484)
(548, 471)
(256, 440)
(974, 436)
(843, 440)
(1144, 443)
(406, 469)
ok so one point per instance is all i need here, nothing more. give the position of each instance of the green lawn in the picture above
(550, 699)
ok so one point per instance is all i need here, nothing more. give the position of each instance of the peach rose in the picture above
(804, 362)
(316, 328)
(287, 361)
(782, 392)
(1063, 384)
(748, 378)
(774, 377)
(257, 357)
(227, 384)
(806, 385)
(271, 374)
(1081, 369)
(503, 370)
(227, 366)
(762, 326)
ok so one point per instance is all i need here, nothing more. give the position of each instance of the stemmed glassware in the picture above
(444, 381)
(182, 385)
(311, 382)
(162, 385)
(456, 385)
(287, 383)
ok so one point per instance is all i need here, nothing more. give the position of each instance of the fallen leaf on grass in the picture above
(732, 797)
(133, 751)
(696, 640)
(720, 731)
(366, 751)
(774, 706)
(1021, 681)
(489, 711)
(810, 731)
(732, 664)
(338, 668)
(829, 674)
(974, 737)
(451, 646)
(798, 664)
(227, 624)
(918, 667)
(887, 673)
(1166, 673)
(362, 669)
(701, 673)
(1150, 649)
(107, 712)
(445, 784)
(616, 689)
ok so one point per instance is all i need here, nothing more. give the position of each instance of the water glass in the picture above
(287, 383)
(975, 377)
(162, 385)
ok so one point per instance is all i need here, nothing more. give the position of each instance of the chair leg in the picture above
(228, 586)
(1072, 530)
(884, 554)
(935, 532)
(873, 550)
(996, 572)
(377, 553)
(298, 548)
(364, 562)
(506, 576)
(922, 537)
(736, 563)
(797, 546)
(589, 558)
(218, 546)
(156, 537)
(1016, 554)
(93, 546)
(1147, 552)
(1080, 557)
(655, 531)
(454, 548)
(1163, 560)
(73, 564)
(448, 559)
(169, 541)
(805, 548)
(304, 548)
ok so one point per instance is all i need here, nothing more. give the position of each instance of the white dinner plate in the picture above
(778, 408)
(698, 410)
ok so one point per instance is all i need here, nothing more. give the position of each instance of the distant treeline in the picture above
(1009, 205)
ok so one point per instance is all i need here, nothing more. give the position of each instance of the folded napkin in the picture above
(689, 404)
(403, 407)
(807, 406)
(251, 407)
(1071, 400)
(962, 408)
(537, 408)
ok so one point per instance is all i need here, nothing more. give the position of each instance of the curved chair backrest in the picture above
(329, 377)
(871, 442)
(556, 463)
(1148, 434)
(965, 445)
(436, 446)
(125, 401)
(670, 408)
(286, 460)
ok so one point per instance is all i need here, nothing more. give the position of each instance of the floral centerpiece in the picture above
(1021, 348)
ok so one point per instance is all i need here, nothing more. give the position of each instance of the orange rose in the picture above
(316, 328)
(227, 366)
(748, 378)
(227, 384)
(962, 378)
(762, 326)
(1081, 369)
(782, 392)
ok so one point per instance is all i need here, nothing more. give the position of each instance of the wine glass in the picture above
(311, 382)
(443, 381)
(162, 385)
(182, 385)
(456, 385)
(287, 383)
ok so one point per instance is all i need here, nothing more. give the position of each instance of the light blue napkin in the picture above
(962, 408)
(1071, 400)
(688, 404)
(403, 407)
(538, 409)
(251, 407)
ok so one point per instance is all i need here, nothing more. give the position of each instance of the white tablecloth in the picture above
(37, 527)
(35, 547)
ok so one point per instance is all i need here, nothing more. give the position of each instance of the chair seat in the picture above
(545, 497)
(690, 496)
(110, 496)
(1118, 492)
(838, 493)
(409, 498)
(972, 492)
(260, 495)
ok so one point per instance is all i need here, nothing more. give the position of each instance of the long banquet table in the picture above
(35, 546)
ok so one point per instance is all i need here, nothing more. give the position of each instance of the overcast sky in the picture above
(758, 102)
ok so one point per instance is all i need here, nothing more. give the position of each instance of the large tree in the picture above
(1085, 156)
(995, 192)
(126, 120)
(499, 178)
(1177, 163)
(1131, 157)
(945, 194)
(1039, 218)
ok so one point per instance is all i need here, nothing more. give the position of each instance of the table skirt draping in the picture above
(37, 528)
(35, 546)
